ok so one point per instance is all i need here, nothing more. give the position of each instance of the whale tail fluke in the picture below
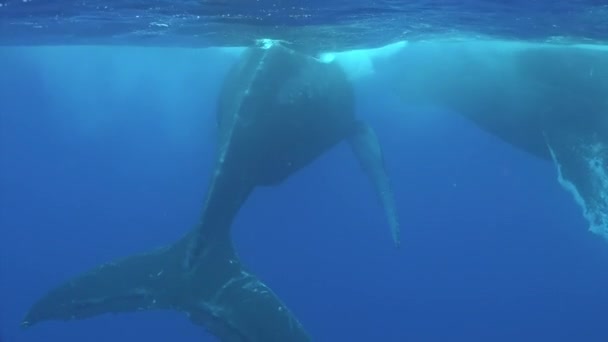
(218, 294)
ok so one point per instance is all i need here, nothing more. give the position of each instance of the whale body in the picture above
(278, 110)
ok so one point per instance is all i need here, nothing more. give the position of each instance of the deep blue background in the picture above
(104, 153)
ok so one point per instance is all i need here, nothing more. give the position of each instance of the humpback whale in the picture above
(548, 100)
(278, 110)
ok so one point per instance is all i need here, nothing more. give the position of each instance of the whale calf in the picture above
(278, 110)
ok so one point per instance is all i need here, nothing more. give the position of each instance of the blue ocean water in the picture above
(107, 151)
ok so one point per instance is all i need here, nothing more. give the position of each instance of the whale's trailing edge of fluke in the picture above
(278, 111)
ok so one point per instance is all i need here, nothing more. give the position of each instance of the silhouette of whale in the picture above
(548, 100)
(278, 111)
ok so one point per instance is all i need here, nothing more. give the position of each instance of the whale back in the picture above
(278, 110)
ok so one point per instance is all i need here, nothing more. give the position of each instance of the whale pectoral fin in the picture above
(367, 149)
(581, 161)
(218, 294)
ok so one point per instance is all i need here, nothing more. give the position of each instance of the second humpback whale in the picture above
(549, 100)
(278, 111)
